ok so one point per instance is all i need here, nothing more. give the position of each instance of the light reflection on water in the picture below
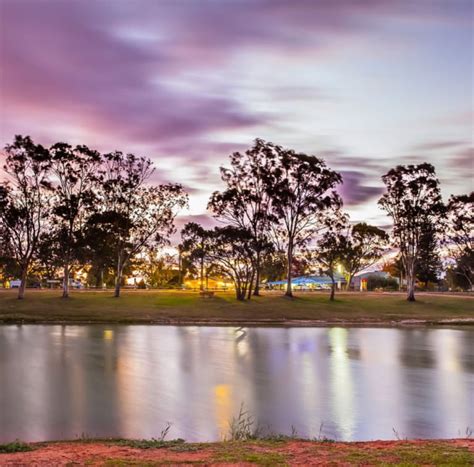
(129, 381)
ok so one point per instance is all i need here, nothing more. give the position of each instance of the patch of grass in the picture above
(433, 454)
(149, 443)
(174, 306)
(15, 446)
(238, 451)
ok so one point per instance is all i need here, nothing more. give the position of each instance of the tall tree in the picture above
(413, 199)
(232, 253)
(459, 234)
(196, 245)
(142, 215)
(304, 200)
(331, 248)
(429, 264)
(246, 202)
(77, 173)
(364, 247)
(24, 201)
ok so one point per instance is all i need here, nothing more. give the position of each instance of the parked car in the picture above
(76, 284)
(15, 284)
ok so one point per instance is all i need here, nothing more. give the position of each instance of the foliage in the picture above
(364, 246)
(413, 200)
(375, 282)
(304, 200)
(331, 248)
(429, 262)
(233, 255)
(459, 237)
(76, 171)
(196, 247)
(24, 202)
(140, 216)
(246, 203)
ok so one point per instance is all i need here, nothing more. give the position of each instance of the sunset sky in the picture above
(365, 84)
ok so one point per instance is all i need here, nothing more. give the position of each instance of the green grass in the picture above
(272, 308)
(15, 446)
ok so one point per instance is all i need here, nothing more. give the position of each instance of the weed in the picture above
(243, 427)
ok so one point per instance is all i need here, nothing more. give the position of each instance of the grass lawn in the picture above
(188, 307)
(257, 452)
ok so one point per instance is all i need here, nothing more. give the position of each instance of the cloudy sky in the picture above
(365, 84)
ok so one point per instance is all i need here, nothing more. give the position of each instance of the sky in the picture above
(366, 85)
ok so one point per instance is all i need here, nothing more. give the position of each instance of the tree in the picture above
(97, 245)
(246, 202)
(429, 264)
(142, 216)
(24, 202)
(364, 247)
(196, 245)
(233, 255)
(412, 199)
(304, 200)
(77, 173)
(459, 237)
(330, 251)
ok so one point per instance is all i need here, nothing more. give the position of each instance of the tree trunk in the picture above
(118, 278)
(410, 285)
(202, 274)
(180, 280)
(289, 291)
(66, 281)
(349, 280)
(21, 289)
(256, 290)
(250, 286)
(333, 290)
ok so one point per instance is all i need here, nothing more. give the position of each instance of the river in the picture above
(62, 382)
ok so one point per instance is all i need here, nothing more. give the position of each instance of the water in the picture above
(60, 382)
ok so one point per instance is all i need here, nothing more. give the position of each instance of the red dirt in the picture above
(296, 453)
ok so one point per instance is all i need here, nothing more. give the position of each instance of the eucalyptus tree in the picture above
(331, 248)
(364, 246)
(246, 203)
(429, 264)
(304, 201)
(459, 234)
(76, 172)
(196, 246)
(140, 215)
(25, 202)
(412, 200)
(232, 253)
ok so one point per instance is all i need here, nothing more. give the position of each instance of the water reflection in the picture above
(63, 381)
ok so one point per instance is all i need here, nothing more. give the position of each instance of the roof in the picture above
(310, 279)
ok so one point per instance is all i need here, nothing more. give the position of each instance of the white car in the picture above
(15, 284)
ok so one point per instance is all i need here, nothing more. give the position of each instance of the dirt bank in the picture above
(263, 452)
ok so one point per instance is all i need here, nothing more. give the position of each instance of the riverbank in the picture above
(260, 452)
(271, 309)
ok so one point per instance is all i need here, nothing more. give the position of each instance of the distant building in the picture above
(310, 282)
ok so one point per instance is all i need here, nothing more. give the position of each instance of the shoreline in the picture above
(271, 451)
(273, 323)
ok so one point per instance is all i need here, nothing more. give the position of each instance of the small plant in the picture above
(15, 446)
(243, 427)
(153, 443)
(397, 435)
